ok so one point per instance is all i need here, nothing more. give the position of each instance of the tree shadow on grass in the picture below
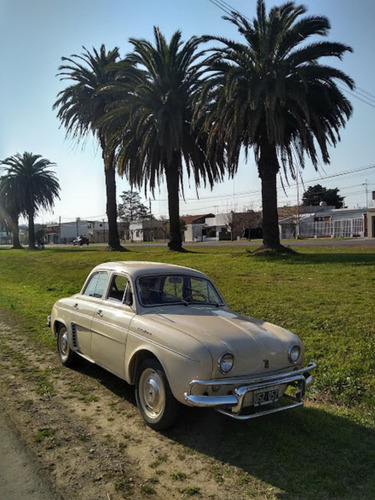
(357, 258)
(307, 453)
(354, 258)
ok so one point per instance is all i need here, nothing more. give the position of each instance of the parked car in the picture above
(166, 330)
(81, 240)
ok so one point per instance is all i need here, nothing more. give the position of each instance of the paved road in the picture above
(350, 242)
(20, 476)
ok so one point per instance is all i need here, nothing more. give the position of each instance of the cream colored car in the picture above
(167, 330)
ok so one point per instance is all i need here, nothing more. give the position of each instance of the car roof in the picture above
(141, 268)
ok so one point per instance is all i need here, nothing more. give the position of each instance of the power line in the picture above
(241, 194)
(372, 96)
(225, 7)
(346, 172)
(361, 96)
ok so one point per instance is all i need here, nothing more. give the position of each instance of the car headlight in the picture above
(226, 362)
(294, 353)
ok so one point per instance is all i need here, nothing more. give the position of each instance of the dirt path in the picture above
(20, 475)
(83, 430)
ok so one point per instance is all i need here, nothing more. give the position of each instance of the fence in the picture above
(346, 228)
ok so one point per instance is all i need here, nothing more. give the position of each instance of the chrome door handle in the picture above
(99, 312)
(76, 305)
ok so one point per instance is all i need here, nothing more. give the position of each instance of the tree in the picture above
(31, 185)
(80, 107)
(271, 93)
(314, 195)
(9, 210)
(160, 89)
(131, 207)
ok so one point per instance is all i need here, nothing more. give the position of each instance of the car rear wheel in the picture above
(154, 397)
(66, 355)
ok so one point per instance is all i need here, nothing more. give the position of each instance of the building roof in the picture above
(196, 219)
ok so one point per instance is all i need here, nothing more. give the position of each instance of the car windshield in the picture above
(177, 289)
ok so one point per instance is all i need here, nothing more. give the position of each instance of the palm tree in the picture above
(31, 185)
(81, 105)
(160, 87)
(271, 93)
(9, 209)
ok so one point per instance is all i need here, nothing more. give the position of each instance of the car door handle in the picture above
(99, 312)
(76, 305)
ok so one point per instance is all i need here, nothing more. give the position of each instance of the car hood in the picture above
(256, 345)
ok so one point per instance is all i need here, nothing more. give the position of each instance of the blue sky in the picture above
(35, 34)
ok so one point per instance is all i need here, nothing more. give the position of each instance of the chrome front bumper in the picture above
(232, 404)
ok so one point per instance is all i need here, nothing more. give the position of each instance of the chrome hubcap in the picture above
(152, 393)
(64, 346)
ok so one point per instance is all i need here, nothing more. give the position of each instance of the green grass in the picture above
(324, 295)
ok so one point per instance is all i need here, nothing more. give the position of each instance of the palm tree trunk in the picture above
(111, 202)
(31, 230)
(172, 179)
(111, 208)
(268, 167)
(16, 233)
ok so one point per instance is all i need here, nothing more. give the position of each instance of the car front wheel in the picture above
(66, 355)
(154, 397)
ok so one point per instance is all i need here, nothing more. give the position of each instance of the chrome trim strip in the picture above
(251, 381)
(75, 313)
(211, 401)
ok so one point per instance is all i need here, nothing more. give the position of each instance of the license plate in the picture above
(266, 397)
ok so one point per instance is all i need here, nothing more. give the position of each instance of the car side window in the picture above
(96, 285)
(119, 284)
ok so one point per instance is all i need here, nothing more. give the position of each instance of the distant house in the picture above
(196, 226)
(226, 226)
(325, 223)
(247, 225)
(370, 222)
(146, 230)
(219, 227)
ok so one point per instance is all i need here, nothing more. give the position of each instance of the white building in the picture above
(331, 223)
(370, 222)
(66, 232)
(146, 230)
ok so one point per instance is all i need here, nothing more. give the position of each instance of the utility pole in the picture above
(366, 188)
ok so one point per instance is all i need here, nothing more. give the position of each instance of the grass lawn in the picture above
(323, 294)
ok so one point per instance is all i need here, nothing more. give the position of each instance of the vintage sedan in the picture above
(166, 330)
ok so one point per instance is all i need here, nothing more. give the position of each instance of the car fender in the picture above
(57, 319)
(180, 368)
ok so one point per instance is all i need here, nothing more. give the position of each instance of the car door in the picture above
(111, 325)
(84, 308)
